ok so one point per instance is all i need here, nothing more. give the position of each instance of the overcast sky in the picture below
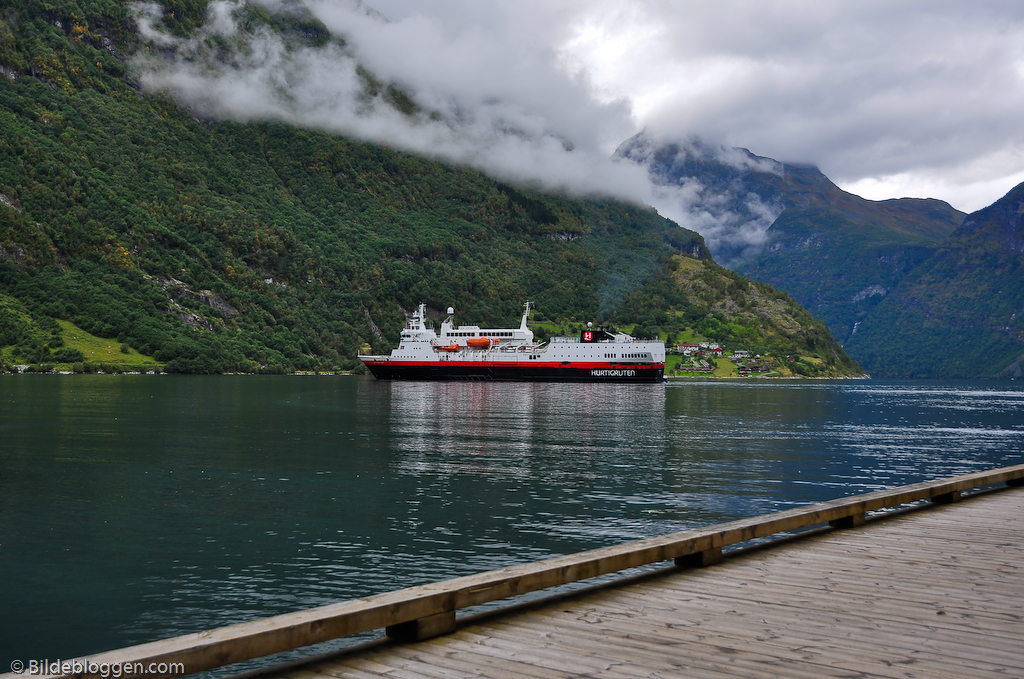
(916, 98)
(889, 99)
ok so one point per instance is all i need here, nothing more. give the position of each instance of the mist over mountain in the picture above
(788, 225)
(730, 196)
(343, 68)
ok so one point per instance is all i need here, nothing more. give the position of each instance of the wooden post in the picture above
(423, 628)
(851, 521)
(946, 498)
(708, 557)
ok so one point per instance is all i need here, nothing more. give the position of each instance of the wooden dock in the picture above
(930, 590)
(937, 593)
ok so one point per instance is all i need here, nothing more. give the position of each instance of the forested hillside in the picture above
(959, 314)
(215, 246)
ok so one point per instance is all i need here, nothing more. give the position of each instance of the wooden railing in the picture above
(429, 610)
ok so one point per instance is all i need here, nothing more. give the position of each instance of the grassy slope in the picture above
(697, 299)
(28, 340)
(103, 351)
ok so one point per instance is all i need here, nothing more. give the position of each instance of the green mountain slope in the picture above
(961, 312)
(216, 246)
(835, 253)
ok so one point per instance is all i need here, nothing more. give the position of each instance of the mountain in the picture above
(961, 312)
(788, 225)
(215, 246)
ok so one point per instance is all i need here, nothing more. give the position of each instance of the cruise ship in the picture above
(469, 352)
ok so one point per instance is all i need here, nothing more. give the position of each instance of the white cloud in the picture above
(931, 91)
(504, 106)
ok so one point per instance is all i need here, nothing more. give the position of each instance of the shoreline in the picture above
(342, 373)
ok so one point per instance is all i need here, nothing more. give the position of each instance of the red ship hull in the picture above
(517, 372)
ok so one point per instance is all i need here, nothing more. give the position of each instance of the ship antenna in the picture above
(526, 315)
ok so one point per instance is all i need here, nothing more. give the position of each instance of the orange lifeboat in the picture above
(449, 347)
(478, 342)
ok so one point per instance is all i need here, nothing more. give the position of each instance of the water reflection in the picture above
(515, 431)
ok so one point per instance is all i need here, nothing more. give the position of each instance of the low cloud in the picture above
(898, 96)
(515, 116)
(733, 221)
(735, 227)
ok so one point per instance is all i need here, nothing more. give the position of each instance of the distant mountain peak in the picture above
(644, 149)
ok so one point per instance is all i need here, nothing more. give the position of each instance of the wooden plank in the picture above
(779, 595)
(496, 663)
(742, 661)
(468, 661)
(944, 579)
(726, 613)
(401, 667)
(851, 657)
(423, 628)
(728, 618)
(942, 573)
(350, 673)
(845, 650)
(512, 649)
(631, 629)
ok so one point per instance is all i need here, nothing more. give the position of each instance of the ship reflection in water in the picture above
(519, 431)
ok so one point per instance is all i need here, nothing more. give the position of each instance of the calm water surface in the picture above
(134, 508)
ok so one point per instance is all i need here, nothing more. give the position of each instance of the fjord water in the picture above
(134, 508)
